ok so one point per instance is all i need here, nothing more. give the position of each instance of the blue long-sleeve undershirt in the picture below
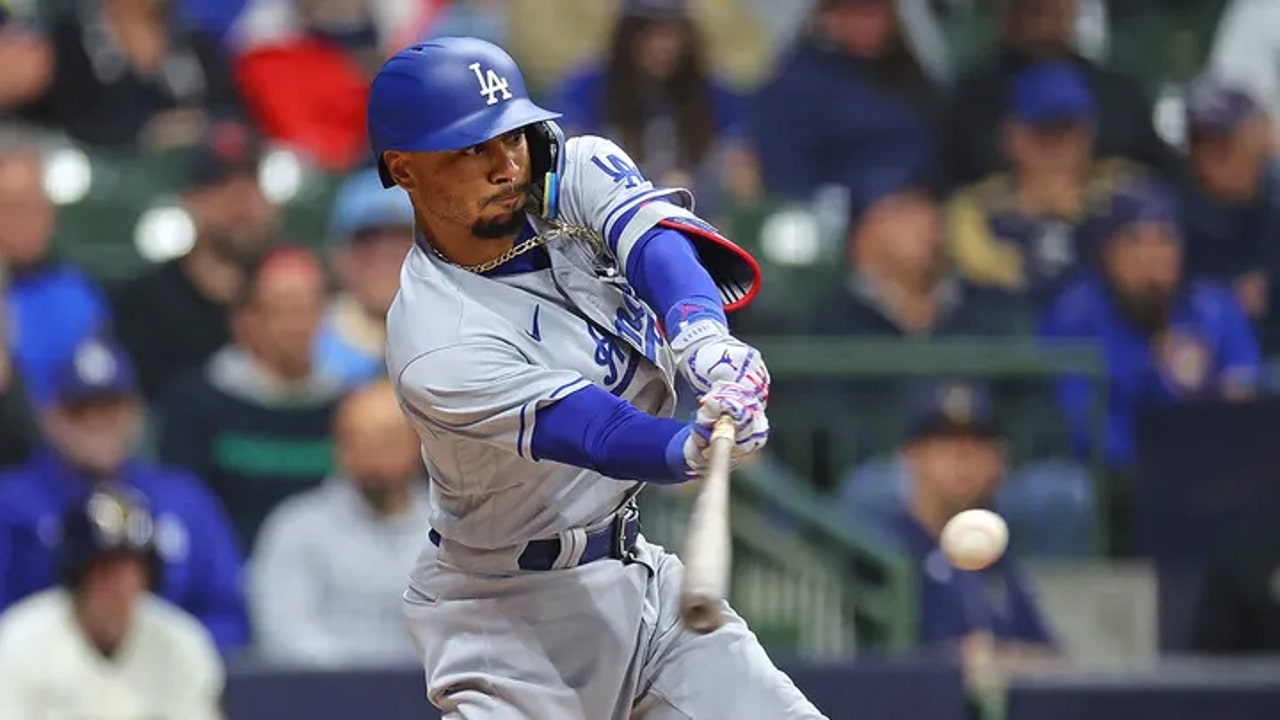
(592, 428)
(664, 269)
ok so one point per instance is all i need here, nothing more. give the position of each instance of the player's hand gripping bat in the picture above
(708, 545)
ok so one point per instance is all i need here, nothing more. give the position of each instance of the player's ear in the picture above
(397, 163)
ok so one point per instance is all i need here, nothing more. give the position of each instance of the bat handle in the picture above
(724, 430)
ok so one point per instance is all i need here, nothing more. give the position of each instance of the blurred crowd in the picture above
(218, 430)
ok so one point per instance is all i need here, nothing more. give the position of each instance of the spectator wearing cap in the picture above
(1033, 32)
(326, 599)
(148, 81)
(371, 232)
(1165, 338)
(91, 428)
(175, 317)
(955, 461)
(254, 422)
(657, 95)
(52, 305)
(900, 284)
(849, 106)
(1231, 201)
(99, 644)
(1024, 230)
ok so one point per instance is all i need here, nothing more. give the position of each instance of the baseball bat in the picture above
(708, 544)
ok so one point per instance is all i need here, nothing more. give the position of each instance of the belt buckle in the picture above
(618, 541)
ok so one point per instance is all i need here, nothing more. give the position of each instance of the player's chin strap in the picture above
(546, 151)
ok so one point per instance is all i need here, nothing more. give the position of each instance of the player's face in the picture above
(26, 216)
(482, 189)
(369, 266)
(96, 435)
(956, 472)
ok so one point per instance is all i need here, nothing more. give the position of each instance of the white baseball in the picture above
(974, 539)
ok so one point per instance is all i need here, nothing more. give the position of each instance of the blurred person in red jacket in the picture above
(304, 67)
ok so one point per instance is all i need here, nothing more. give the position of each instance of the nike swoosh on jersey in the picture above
(536, 334)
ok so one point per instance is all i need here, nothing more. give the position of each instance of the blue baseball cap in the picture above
(951, 408)
(1215, 107)
(1139, 201)
(447, 93)
(98, 368)
(1051, 93)
(362, 203)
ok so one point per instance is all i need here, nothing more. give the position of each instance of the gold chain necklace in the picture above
(488, 265)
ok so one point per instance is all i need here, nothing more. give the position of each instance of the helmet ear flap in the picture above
(546, 156)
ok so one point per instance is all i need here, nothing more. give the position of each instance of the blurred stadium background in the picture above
(862, 149)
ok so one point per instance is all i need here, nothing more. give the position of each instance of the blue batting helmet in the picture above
(112, 520)
(451, 93)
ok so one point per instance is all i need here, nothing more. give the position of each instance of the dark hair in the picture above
(255, 269)
(688, 89)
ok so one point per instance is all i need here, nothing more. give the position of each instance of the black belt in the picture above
(616, 541)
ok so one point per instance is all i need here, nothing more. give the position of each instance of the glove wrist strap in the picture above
(696, 334)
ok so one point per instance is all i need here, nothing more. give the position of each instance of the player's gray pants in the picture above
(602, 641)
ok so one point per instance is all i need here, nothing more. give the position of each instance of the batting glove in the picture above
(706, 354)
(751, 427)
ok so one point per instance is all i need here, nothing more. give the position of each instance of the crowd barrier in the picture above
(866, 690)
(915, 689)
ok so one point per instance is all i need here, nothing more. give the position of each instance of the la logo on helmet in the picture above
(490, 84)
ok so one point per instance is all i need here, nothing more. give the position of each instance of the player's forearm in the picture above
(593, 429)
(665, 272)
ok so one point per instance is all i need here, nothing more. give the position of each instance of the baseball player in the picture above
(552, 295)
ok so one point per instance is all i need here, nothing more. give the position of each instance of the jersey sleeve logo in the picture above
(491, 84)
(619, 170)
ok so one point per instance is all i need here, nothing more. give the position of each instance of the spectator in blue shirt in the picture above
(656, 94)
(371, 231)
(1165, 338)
(849, 106)
(955, 460)
(1231, 201)
(52, 305)
(92, 426)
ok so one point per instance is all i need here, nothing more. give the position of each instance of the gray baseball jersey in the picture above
(474, 357)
